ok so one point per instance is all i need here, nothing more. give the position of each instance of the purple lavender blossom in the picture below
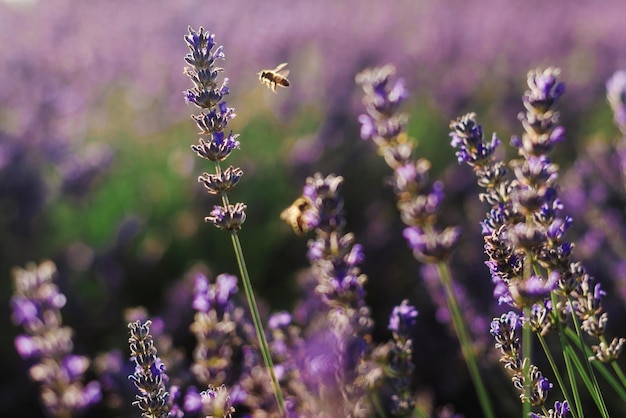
(36, 307)
(149, 377)
(403, 318)
(208, 95)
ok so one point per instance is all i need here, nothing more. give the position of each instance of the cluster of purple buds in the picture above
(217, 144)
(418, 201)
(523, 223)
(48, 344)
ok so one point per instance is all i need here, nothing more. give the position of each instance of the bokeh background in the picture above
(97, 174)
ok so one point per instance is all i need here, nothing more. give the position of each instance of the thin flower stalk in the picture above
(417, 200)
(216, 146)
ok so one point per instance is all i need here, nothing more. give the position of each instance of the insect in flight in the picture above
(275, 77)
(295, 215)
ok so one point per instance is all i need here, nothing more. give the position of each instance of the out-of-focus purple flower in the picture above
(279, 320)
(385, 125)
(213, 296)
(36, 307)
(399, 354)
(335, 260)
(218, 326)
(403, 318)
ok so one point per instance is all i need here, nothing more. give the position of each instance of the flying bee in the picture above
(296, 215)
(275, 77)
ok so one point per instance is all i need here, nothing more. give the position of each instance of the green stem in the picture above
(602, 369)
(594, 389)
(526, 356)
(466, 344)
(256, 319)
(576, 406)
(377, 406)
(557, 374)
(618, 371)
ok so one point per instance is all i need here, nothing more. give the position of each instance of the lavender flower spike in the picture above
(217, 145)
(149, 377)
(208, 95)
(36, 306)
(418, 201)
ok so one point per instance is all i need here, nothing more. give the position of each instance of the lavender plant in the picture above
(529, 259)
(48, 345)
(334, 257)
(212, 122)
(341, 368)
(418, 201)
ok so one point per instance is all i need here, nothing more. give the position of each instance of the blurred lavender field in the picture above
(96, 172)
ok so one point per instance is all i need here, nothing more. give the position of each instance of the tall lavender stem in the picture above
(216, 147)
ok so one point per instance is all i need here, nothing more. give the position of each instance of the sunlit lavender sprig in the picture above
(155, 399)
(513, 238)
(418, 200)
(36, 306)
(208, 95)
(529, 259)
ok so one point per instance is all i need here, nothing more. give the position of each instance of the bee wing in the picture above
(280, 67)
(284, 73)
